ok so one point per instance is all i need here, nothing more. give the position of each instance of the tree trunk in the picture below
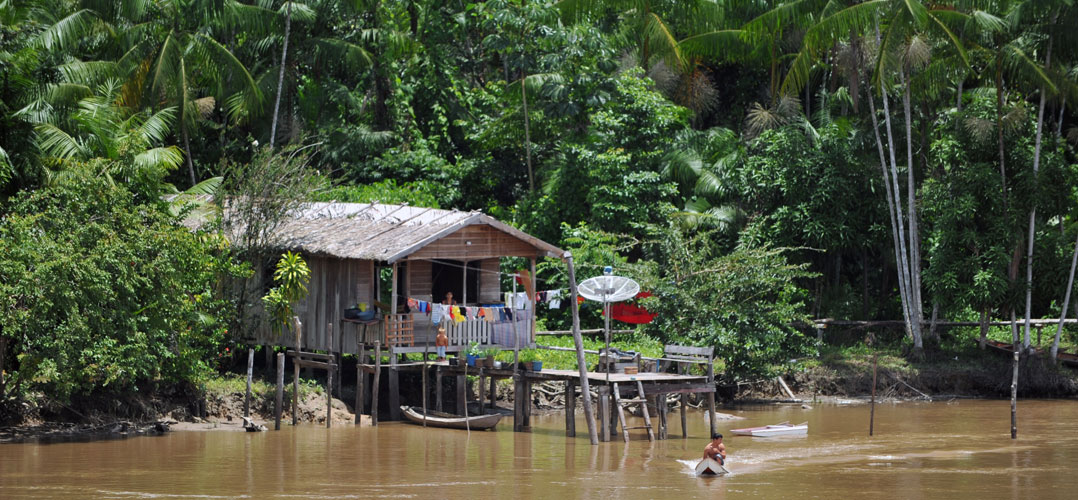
(280, 74)
(912, 322)
(911, 204)
(1059, 125)
(1066, 302)
(999, 127)
(527, 132)
(187, 148)
(895, 219)
(1033, 210)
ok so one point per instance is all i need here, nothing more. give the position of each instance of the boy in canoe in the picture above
(715, 450)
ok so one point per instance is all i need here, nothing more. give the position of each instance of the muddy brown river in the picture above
(950, 450)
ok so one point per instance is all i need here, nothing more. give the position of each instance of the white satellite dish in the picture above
(609, 288)
(606, 289)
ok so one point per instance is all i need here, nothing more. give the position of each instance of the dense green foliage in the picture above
(755, 164)
(99, 291)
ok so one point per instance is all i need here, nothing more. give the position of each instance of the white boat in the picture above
(783, 429)
(709, 467)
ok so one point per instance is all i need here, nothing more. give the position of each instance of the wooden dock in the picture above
(615, 390)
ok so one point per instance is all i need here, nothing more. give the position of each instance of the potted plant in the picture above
(472, 354)
(489, 354)
(529, 360)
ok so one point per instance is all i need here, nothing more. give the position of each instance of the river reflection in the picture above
(921, 450)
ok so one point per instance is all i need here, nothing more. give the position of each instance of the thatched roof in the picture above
(387, 233)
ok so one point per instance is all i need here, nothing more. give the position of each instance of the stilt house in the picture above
(383, 255)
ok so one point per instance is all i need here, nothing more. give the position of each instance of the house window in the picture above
(448, 276)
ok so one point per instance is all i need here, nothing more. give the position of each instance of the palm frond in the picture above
(723, 45)
(300, 12)
(63, 34)
(1020, 62)
(55, 143)
(156, 127)
(335, 50)
(662, 43)
(226, 59)
(163, 159)
(88, 73)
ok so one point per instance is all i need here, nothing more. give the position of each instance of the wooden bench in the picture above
(683, 357)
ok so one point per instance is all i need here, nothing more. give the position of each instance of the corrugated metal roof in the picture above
(388, 233)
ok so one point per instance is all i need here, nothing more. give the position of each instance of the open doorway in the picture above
(449, 276)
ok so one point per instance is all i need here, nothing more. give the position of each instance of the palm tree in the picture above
(102, 130)
(167, 54)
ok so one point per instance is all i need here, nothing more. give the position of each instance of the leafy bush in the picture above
(98, 291)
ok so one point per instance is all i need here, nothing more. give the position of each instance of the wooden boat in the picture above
(450, 421)
(1065, 359)
(783, 429)
(710, 467)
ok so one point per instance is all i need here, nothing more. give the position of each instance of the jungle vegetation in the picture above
(755, 163)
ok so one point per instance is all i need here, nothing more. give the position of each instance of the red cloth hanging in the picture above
(632, 313)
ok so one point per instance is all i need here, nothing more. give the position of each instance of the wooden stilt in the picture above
(527, 404)
(329, 379)
(604, 412)
(280, 393)
(438, 375)
(377, 386)
(295, 370)
(644, 406)
(578, 342)
(621, 413)
(462, 400)
(660, 406)
(684, 407)
(394, 386)
(482, 391)
(518, 403)
(361, 381)
(1014, 394)
(250, 374)
(493, 392)
(570, 409)
(424, 377)
(872, 409)
(711, 417)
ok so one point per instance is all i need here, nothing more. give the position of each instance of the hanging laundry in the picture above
(469, 312)
(488, 314)
(553, 298)
(424, 306)
(524, 278)
(437, 312)
(457, 316)
(632, 313)
(413, 303)
(521, 300)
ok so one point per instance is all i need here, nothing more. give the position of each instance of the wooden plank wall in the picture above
(335, 285)
(486, 242)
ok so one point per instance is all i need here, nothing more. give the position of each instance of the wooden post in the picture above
(424, 376)
(604, 412)
(329, 379)
(482, 390)
(438, 375)
(280, 392)
(1014, 394)
(527, 402)
(518, 405)
(462, 400)
(621, 412)
(377, 379)
(295, 370)
(872, 409)
(250, 371)
(493, 392)
(535, 294)
(361, 379)
(712, 419)
(660, 406)
(684, 407)
(585, 391)
(570, 409)
(394, 386)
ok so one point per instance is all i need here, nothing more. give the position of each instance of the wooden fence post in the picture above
(377, 379)
(329, 378)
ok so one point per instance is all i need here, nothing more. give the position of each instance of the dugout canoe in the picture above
(450, 421)
(783, 429)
